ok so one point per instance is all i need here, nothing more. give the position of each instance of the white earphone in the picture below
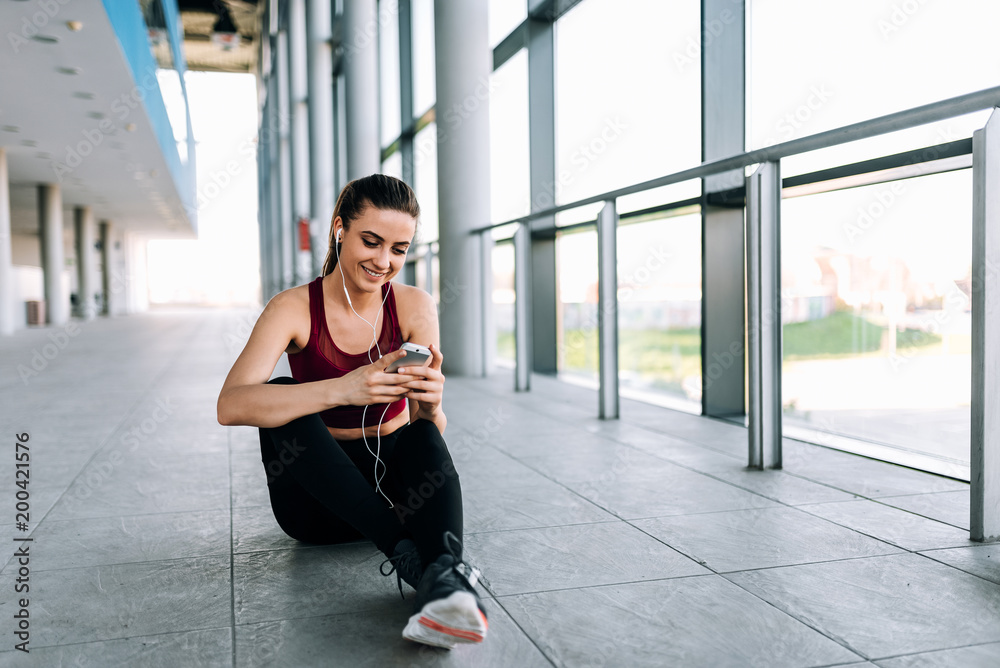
(378, 446)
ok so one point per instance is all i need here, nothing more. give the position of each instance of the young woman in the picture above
(354, 449)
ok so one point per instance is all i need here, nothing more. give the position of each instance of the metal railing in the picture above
(763, 195)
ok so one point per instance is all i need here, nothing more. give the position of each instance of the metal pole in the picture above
(764, 317)
(522, 308)
(985, 446)
(607, 310)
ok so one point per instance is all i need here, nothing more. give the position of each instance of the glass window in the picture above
(425, 182)
(423, 56)
(393, 165)
(659, 310)
(576, 303)
(504, 300)
(876, 314)
(871, 58)
(628, 99)
(510, 188)
(388, 65)
(505, 15)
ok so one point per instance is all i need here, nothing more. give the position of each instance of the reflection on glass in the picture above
(503, 302)
(659, 309)
(505, 15)
(876, 314)
(510, 186)
(576, 304)
(628, 97)
(423, 55)
(425, 181)
(393, 165)
(388, 66)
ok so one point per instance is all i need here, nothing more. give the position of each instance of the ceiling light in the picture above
(29, 142)
(11, 128)
(75, 26)
(83, 95)
(68, 70)
(44, 155)
(45, 39)
(95, 115)
(130, 127)
(224, 32)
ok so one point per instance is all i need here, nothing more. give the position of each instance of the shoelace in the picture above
(468, 572)
(397, 563)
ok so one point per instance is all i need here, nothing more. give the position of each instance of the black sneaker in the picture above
(405, 562)
(448, 609)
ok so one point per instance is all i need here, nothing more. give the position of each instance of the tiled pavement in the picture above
(638, 542)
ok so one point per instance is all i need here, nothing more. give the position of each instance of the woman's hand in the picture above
(370, 384)
(425, 385)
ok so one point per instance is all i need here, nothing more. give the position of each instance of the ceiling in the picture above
(65, 93)
(198, 17)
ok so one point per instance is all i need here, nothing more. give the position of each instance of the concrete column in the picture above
(6, 257)
(323, 186)
(723, 257)
(84, 227)
(298, 51)
(287, 222)
(543, 298)
(463, 65)
(50, 225)
(105, 232)
(360, 40)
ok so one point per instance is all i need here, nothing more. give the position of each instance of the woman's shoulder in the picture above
(291, 308)
(414, 307)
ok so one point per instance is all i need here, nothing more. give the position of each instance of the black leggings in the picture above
(323, 490)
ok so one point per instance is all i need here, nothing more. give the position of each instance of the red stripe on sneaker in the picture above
(458, 633)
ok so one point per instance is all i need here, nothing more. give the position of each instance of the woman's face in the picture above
(375, 246)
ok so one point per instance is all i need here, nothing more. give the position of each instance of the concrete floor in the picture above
(637, 542)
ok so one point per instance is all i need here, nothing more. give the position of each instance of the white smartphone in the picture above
(416, 355)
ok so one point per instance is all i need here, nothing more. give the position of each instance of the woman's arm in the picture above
(247, 399)
(428, 381)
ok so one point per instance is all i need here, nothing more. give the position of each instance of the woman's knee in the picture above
(422, 444)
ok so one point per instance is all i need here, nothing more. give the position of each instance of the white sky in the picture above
(628, 109)
(222, 265)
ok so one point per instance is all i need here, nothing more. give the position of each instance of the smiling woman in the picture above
(326, 482)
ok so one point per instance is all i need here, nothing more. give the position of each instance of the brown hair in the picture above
(378, 190)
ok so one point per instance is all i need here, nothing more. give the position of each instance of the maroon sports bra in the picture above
(322, 359)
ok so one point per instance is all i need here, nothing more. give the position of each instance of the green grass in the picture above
(665, 357)
(843, 334)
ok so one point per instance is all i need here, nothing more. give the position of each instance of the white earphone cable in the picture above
(378, 432)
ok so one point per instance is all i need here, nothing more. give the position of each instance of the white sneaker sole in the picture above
(448, 621)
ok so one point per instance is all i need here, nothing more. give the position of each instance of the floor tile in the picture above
(977, 656)
(591, 465)
(255, 529)
(760, 538)
(884, 606)
(528, 560)
(124, 600)
(895, 526)
(523, 507)
(166, 650)
(699, 621)
(135, 538)
(950, 507)
(656, 493)
(281, 584)
(374, 638)
(981, 560)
